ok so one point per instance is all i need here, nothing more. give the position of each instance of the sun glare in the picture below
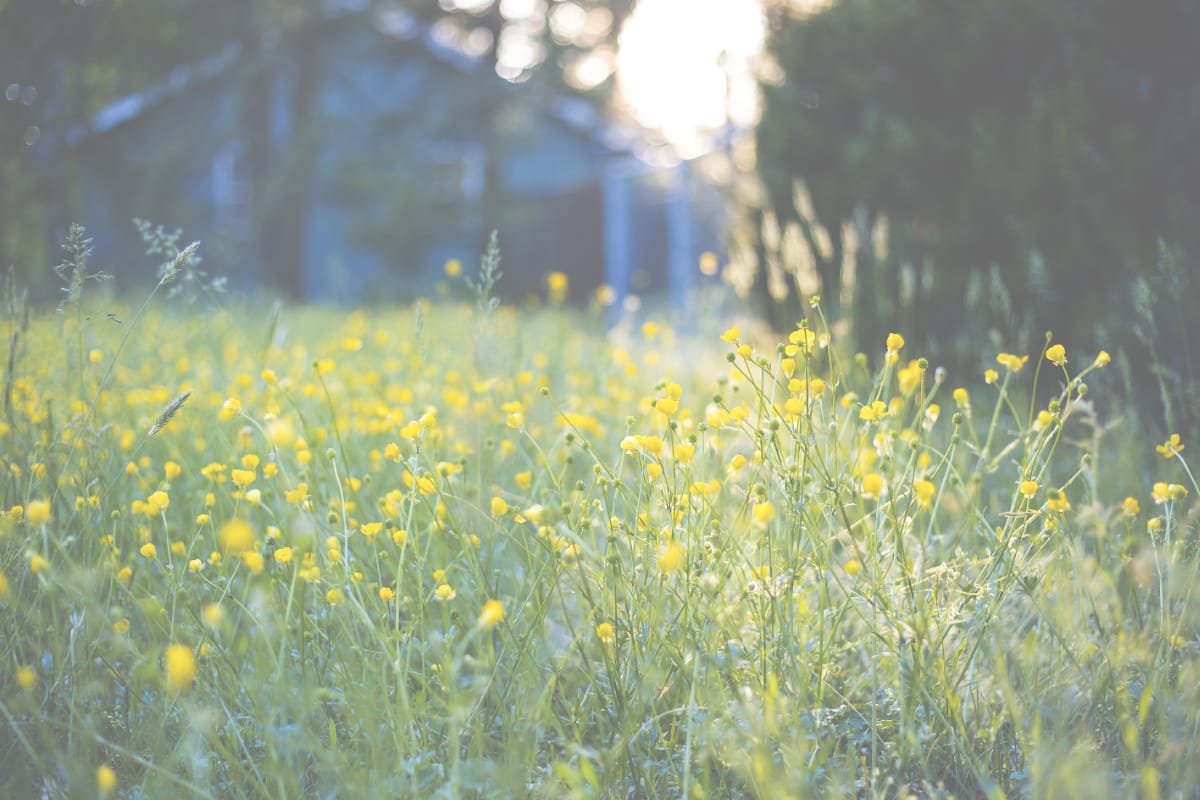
(685, 67)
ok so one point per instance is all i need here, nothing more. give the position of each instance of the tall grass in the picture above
(458, 551)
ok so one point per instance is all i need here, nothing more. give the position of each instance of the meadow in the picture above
(459, 550)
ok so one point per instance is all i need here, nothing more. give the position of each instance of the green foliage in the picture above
(484, 286)
(1026, 158)
(74, 270)
(181, 268)
(236, 571)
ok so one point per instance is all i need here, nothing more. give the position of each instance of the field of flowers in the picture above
(456, 550)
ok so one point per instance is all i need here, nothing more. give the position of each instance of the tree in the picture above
(1034, 150)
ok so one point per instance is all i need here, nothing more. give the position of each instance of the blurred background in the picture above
(972, 174)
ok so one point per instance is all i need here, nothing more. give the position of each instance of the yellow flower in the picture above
(1058, 502)
(1011, 362)
(106, 780)
(803, 339)
(990, 376)
(148, 550)
(491, 615)
(1028, 488)
(38, 512)
(731, 334)
(213, 615)
(961, 398)
(708, 263)
(236, 536)
(243, 477)
(171, 470)
(230, 409)
(335, 597)
(872, 485)
(283, 555)
(557, 284)
(253, 561)
(499, 507)
(26, 678)
(370, 529)
(1102, 359)
(280, 433)
(763, 513)
(1056, 354)
(296, 496)
(924, 490)
(671, 557)
(605, 632)
(1131, 507)
(874, 412)
(1164, 492)
(895, 342)
(666, 406)
(1169, 448)
(179, 668)
(852, 567)
(38, 565)
(445, 592)
(909, 377)
(453, 268)
(932, 413)
(523, 480)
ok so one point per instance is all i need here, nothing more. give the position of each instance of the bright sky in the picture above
(686, 67)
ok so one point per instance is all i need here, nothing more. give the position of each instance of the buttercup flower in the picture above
(491, 615)
(1171, 447)
(37, 512)
(1011, 362)
(179, 668)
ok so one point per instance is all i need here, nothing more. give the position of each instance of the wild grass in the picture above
(463, 551)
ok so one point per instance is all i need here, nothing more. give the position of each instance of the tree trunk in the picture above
(256, 136)
(283, 169)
